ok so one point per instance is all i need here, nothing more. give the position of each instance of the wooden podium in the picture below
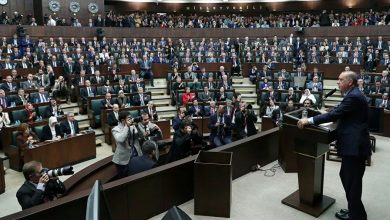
(311, 144)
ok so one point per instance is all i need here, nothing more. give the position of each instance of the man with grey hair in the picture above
(353, 142)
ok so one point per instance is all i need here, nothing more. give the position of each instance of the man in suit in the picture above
(87, 91)
(138, 84)
(315, 85)
(42, 79)
(151, 110)
(41, 97)
(384, 102)
(8, 85)
(113, 117)
(353, 142)
(21, 98)
(97, 79)
(71, 125)
(107, 102)
(32, 192)
(225, 83)
(145, 162)
(206, 95)
(91, 69)
(146, 69)
(24, 64)
(126, 138)
(220, 125)
(30, 83)
(140, 99)
(53, 110)
(196, 110)
(5, 101)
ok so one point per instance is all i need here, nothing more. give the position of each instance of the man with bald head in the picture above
(353, 141)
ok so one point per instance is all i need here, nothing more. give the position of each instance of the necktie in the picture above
(142, 100)
(55, 64)
(10, 86)
(42, 98)
(72, 131)
(89, 91)
(3, 103)
(82, 81)
(24, 66)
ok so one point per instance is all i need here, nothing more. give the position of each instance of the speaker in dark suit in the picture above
(353, 141)
(70, 126)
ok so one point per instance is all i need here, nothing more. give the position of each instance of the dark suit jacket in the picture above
(7, 101)
(6, 88)
(192, 111)
(49, 112)
(104, 102)
(214, 130)
(65, 127)
(18, 100)
(28, 195)
(137, 99)
(111, 120)
(154, 115)
(140, 164)
(84, 92)
(46, 132)
(352, 130)
(134, 87)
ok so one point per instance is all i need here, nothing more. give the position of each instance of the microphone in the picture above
(330, 93)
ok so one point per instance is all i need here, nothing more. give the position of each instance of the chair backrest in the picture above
(14, 134)
(99, 90)
(229, 95)
(180, 98)
(39, 131)
(41, 110)
(18, 115)
(378, 102)
(283, 97)
(134, 113)
(96, 106)
(317, 96)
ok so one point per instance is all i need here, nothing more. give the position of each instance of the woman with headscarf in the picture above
(31, 115)
(52, 131)
(307, 95)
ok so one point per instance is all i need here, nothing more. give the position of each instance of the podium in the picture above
(311, 144)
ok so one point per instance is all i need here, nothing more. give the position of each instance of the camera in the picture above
(68, 170)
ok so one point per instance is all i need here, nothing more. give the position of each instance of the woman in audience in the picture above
(271, 107)
(307, 95)
(188, 96)
(123, 101)
(25, 138)
(52, 131)
(290, 106)
(31, 115)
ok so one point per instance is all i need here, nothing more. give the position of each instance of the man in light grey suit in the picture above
(126, 138)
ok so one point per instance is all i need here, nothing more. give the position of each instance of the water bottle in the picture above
(17, 122)
(13, 104)
(30, 145)
(304, 113)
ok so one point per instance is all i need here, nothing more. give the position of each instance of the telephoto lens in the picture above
(68, 170)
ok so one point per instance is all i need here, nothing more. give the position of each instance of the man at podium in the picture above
(353, 144)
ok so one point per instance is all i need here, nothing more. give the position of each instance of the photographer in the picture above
(145, 162)
(148, 130)
(41, 185)
(245, 120)
(220, 125)
(183, 139)
(127, 143)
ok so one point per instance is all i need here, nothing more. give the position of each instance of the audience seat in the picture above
(94, 112)
(15, 154)
(41, 110)
(18, 115)
(39, 131)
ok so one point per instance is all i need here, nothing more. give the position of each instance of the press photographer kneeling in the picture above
(41, 185)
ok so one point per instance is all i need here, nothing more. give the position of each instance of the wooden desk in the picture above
(386, 124)
(267, 123)
(68, 151)
(6, 134)
(2, 180)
